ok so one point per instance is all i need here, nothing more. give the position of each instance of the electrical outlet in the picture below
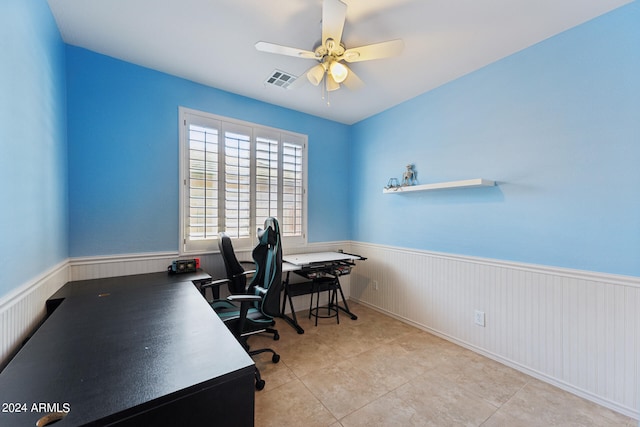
(375, 285)
(479, 318)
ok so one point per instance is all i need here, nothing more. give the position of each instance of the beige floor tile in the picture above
(387, 411)
(429, 351)
(388, 365)
(343, 388)
(290, 405)
(347, 340)
(441, 394)
(502, 419)
(429, 401)
(308, 356)
(487, 379)
(541, 404)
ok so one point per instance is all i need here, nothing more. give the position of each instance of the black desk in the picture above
(133, 350)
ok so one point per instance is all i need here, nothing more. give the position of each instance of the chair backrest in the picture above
(268, 259)
(233, 268)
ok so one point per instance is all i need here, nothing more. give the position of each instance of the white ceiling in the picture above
(212, 41)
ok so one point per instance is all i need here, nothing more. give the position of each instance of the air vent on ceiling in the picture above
(280, 79)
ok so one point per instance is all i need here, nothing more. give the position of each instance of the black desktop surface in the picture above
(144, 348)
(121, 283)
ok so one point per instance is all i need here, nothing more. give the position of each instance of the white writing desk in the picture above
(306, 260)
(310, 265)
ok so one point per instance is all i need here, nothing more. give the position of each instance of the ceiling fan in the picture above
(331, 52)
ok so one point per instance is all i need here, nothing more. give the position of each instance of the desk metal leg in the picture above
(287, 296)
(344, 301)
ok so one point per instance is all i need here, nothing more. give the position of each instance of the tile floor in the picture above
(378, 371)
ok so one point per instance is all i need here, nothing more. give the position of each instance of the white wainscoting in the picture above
(577, 330)
(24, 308)
(98, 267)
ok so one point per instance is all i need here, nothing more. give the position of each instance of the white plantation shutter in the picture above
(203, 183)
(292, 189)
(236, 174)
(237, 183)
(267, 165)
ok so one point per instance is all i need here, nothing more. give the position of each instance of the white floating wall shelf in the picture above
(467, 183)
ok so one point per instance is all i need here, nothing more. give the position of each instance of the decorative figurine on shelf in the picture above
(392, 184)
(410, 176)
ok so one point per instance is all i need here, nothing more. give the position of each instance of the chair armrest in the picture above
(215, 283)
(245, 303)
(262, 291)
(215, 288)
(244, 273)
(244, 298)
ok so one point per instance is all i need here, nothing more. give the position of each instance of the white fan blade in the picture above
(374, 51)
(284, 50)
(334, 13)
(352, 82)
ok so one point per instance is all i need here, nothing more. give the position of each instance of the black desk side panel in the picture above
(140, 350)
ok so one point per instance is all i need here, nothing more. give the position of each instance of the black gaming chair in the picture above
(249, 314)
(236, 280)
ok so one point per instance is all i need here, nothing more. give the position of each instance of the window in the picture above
(234, 175)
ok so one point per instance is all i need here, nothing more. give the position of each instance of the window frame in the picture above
(189, 117)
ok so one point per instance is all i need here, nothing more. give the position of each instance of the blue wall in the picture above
(557, 125)
(123, 155)
(33, 160)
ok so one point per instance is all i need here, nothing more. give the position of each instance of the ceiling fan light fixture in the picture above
(316, 74)
(338, 71)
(332, 84)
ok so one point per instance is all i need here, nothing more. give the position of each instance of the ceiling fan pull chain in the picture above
(326, 91)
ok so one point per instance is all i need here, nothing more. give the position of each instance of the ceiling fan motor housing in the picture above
(330, 49)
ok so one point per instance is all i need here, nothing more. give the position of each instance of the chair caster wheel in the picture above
(276, 337)
(260, 385)
(275, 358)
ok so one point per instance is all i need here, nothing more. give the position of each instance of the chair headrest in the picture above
(269, 235)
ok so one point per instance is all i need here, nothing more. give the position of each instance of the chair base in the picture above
(275, 358)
